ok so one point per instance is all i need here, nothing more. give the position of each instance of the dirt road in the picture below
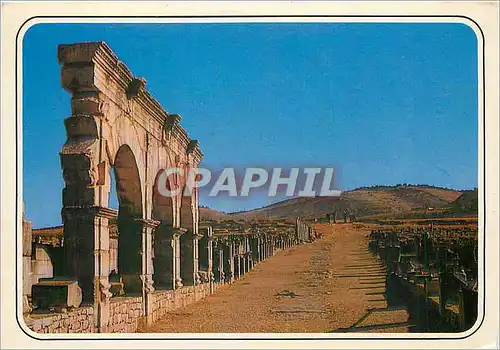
(331, 285)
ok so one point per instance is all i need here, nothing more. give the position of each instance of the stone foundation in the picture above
(79, 320)
(125, 313)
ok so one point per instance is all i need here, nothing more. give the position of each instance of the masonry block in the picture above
(56, 293)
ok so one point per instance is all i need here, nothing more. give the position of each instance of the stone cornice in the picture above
(148, 222)
(96, 211)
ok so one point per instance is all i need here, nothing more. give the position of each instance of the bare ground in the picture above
(331, 285)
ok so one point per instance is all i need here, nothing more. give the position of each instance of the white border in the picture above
(481, 14)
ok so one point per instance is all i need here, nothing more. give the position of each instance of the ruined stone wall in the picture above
(41, 264)
(124, 314)
(169, 300)
(162, 301)
(113, 254)
(80, 320)
(27, 264)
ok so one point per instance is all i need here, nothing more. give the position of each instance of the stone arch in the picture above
(128, 184)
(163, 207)
(190, 240)
(115, 123)
(166, 245)
(129, 220)
(188, 212)
(120, 135)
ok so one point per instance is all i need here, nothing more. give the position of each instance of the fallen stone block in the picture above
(56, 294)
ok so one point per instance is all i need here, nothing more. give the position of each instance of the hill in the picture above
(361, 202)
(208, 214)
(466, 203)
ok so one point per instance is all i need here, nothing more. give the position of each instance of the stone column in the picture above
(254, 246)
(165, 261)
(211, 259)
(189, 258)
(27, 272)
(237, 264)
(86, 249)
(243, 262)
(218, 263)
(228, 262)
(249, 261)
(262, 249)
(177, 266)
(147, 230)
(206, 252)
(135, 254)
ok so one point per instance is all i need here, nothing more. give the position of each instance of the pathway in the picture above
(331, 285)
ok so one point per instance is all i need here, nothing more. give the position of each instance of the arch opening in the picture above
(166, 264)
(126, 248)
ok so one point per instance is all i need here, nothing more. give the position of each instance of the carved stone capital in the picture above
(148, 223)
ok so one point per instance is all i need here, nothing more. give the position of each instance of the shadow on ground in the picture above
(420, 319)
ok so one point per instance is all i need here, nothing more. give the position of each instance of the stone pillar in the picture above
(206, 252)
(244, 266)
(147, 230)
(261, 249)
(135, 254)
(190, 240)
(249, 261)
(86, 249)
(166, 271)
(228, 262)
(27, 272)
(177, 266)
(86, 256)
(189, 258)
(297, 229)
(255, 248)
(211, 259)
(218, 263)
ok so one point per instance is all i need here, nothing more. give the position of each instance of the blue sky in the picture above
(382, 103)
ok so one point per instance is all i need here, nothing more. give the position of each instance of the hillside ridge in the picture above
(401, 199)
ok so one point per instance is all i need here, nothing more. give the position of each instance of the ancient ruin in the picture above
(105, 270)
